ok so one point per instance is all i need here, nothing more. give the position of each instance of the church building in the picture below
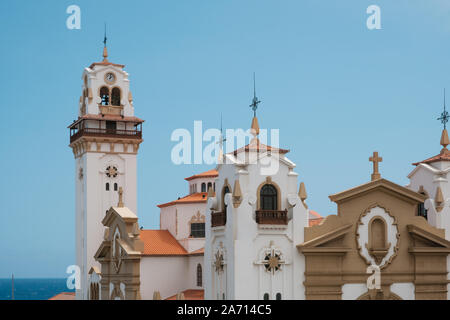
(244, 229)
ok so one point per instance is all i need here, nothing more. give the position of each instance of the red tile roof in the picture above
(200, 251)
(313, 222)
(192, 198)
(443, 156)
(316, 220)
(106, 63)
(64, 296)
(161, 243)
(207, 174)
(190, 294)
(257, 146)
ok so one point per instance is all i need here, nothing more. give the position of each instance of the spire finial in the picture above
(221, 141)
(255, 100)
(105, 50)
(255, 126)
(444, 119)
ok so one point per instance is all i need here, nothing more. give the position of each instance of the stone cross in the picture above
(375, 159)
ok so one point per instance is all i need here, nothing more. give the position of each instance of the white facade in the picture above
(243, 244)
(428, 178)
(169, 275)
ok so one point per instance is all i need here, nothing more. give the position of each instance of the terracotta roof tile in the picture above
(443, 156)
(64, 296)
(106, 63)
(160, 243)
(207, 174)
(190, 294)
(192, 198)
(313, 222)
(197, 252)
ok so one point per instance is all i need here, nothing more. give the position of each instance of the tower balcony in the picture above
(107, 133)
(278, 217)
(106, 126)
(218, 219)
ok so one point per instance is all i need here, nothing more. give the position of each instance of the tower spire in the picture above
(255, 126)
(105, 50)
(444, 119)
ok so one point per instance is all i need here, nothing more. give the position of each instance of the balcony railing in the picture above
(271, 217)
(112, 133)
(218, 219)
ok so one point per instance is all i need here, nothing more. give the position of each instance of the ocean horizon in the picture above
(32, 288)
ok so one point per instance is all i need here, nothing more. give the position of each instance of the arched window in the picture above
(278, 296)
(199, 275)
(209, 185)
(203, 187)
(107, 186)
(214, 187)
(377, 236)
(266, 296)
(115, 186)
(104, 95)
(115, 97)
(268, 197)
(94, 294)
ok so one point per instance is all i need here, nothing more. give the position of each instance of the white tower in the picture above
(253, 224)
(105, 140)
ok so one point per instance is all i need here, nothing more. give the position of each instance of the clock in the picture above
(110, 77)
(111, 172)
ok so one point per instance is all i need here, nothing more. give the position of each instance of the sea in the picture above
(32, 289)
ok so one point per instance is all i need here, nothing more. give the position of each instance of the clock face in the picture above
(110, 77)
(111, 172)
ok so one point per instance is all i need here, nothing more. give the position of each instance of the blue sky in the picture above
(336, 90)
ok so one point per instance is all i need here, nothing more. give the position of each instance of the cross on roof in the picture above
(375, 159)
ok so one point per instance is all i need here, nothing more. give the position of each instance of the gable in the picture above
(383, 185)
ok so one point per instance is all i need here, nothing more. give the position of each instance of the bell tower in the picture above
(105, 139)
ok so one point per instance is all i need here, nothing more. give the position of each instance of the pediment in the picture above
(380, 184)
(427, 241)
(329, 242)
(103, 251)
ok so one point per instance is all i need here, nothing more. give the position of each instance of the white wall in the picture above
(168, 275)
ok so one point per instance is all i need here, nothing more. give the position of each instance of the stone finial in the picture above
(180, 296)
(255, 127)
(120, 204)
(237, 194)
(439, 199)
(136, 229)
(302, 193)
(156, 295)
(444, 139)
